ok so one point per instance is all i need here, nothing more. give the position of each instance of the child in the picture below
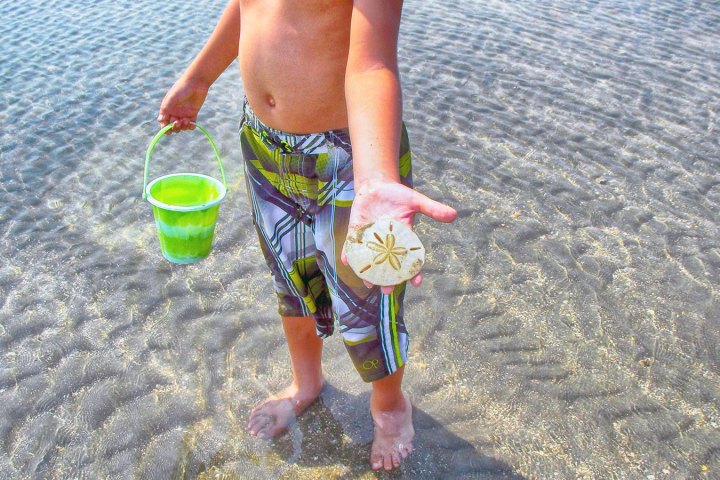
(327, 72)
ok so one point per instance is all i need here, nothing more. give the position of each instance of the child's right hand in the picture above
(182, 104)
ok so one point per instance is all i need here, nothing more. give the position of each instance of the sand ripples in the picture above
(568, 322)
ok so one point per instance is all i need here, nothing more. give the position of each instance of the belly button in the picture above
(271, 101)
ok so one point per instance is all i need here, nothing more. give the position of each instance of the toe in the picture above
(387, 462)
(262, 429)
(258, 423)
(254, 428)
(395, 459)
(377, 462)
(405, 450)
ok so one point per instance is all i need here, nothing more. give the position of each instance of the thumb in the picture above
(433, 209)
(343, 256)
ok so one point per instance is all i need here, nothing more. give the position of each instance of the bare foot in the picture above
(394, 433)
(273, 416)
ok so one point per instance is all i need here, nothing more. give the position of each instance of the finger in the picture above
(172, 120)
(368, 284)
(343, 257)
(416, 281)
(433, 209)
(388, 290)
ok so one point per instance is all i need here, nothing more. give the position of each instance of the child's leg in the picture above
(281, 198)
(371, 323)
(278, 411)
(392, 416)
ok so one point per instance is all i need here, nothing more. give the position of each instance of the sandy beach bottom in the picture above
(568, 323)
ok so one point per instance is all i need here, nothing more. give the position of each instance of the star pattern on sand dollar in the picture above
(388, 252)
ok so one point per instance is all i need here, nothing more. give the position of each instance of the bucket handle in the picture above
(157, 138)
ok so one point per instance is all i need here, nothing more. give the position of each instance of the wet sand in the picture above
(568, 325)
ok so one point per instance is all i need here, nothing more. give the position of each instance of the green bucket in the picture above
(185, 206)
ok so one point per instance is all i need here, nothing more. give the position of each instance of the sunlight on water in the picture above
(568, 322)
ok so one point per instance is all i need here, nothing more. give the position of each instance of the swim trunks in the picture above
(301, 189)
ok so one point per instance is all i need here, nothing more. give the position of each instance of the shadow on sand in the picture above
(337, 430)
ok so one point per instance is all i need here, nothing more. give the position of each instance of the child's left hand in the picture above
(391, 199)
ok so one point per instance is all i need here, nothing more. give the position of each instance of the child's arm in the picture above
(374, 105)
(182, 103)
(372, 90)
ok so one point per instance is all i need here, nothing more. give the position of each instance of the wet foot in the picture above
(394, 433)
(273, 416)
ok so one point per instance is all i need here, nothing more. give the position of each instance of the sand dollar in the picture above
(386, 252)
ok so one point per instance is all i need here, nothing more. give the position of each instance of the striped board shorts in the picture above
(300, 189)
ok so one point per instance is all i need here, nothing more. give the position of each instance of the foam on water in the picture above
(568, 324)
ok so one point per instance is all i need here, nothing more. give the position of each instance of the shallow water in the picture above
(568, 326)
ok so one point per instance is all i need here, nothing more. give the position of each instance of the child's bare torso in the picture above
(293, 55)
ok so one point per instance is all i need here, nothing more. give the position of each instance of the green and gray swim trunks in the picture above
(301, 190)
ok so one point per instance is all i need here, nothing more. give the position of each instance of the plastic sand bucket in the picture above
(185, 206)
